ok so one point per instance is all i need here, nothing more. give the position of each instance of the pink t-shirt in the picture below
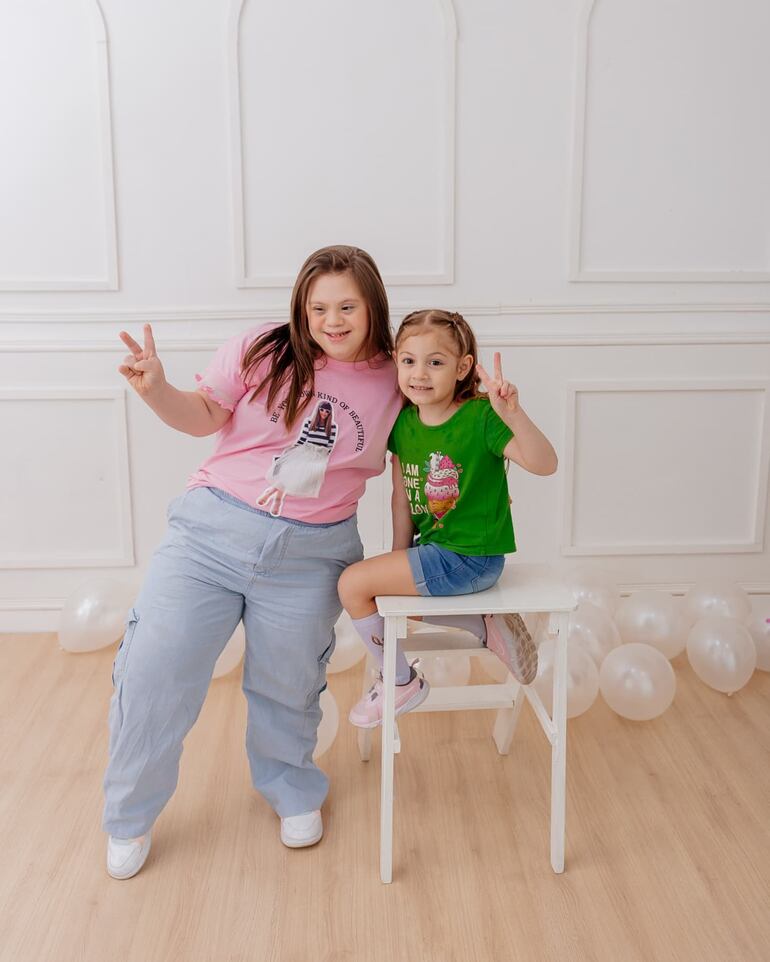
(317, 470)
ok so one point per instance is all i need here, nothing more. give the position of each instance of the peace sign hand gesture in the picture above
(142, 368)
(503, 396)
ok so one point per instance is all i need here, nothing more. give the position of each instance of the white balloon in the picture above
(330, 720)
(592, 629)
(653, 618)
(94, 615)
(596, 587)
(443, 671)
(716, 598)
(582, 678)
(349, 649)
(637, 681)
(721, 652)
(759, 629)
(232, 653)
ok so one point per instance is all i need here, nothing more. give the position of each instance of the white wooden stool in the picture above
(526, 589)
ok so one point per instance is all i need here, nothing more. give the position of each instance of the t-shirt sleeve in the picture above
(222, 379)
(497, 434)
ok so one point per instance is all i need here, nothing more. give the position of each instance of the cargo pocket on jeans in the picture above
(119, 665)
(323, 661)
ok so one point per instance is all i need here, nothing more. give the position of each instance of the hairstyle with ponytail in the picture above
(462, 335)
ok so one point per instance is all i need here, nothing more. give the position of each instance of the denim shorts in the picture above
(438, 571)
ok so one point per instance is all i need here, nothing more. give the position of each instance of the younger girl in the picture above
(449, 448)
(225, 560)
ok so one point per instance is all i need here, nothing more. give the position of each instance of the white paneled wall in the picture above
(376, 146)
(586, 181)
(58, 230)
(66, 502)
(671, 139)
(662, 488)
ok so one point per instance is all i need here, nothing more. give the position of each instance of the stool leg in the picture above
(388, 738)
(559, 750)
(505, 724)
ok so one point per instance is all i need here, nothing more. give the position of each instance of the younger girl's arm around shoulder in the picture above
(403, 527)
(528, 447)
(191, 412)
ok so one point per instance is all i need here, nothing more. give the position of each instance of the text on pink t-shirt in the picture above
(317, 470)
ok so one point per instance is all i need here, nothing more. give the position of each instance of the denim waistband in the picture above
(226, 496)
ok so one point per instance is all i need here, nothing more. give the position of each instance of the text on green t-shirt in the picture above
(454, 476)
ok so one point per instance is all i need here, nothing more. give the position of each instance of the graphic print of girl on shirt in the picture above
(300, 469)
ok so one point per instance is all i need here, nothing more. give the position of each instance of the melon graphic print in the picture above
(299, 470)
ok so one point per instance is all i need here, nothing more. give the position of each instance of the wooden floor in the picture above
(668, 836)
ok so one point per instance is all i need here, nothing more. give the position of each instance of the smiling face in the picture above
(338, 316)
(429, 368)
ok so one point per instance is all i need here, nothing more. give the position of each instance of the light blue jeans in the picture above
(223, 561)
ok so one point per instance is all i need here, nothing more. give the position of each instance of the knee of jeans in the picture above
(268, 694)
(345, 586)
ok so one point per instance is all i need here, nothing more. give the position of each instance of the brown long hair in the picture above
(291, 348)
(462, 335)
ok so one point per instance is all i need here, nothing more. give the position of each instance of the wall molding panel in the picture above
(245, 277)
(759, 485)
(577, 270)
(122, 553)
(521, 339)
(271, 311)
(109, 280)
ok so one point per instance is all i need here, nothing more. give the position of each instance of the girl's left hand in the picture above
(503, 396)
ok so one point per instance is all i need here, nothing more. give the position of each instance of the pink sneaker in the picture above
(509, 639)
(367, 713)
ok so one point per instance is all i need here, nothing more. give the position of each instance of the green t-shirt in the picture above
(454, 475)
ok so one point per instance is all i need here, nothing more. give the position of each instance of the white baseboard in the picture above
(25, 616)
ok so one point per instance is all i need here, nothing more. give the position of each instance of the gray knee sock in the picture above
(372, 631)
(472, 623)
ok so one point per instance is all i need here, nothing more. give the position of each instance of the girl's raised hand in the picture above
(142, 368)
(503, 396)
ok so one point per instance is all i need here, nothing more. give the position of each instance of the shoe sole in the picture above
(304, 843)
(417, 699)
(122, 876)
(525, 649)
(522, 652)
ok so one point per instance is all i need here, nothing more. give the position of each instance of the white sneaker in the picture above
(297, 831)
(125, 856)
